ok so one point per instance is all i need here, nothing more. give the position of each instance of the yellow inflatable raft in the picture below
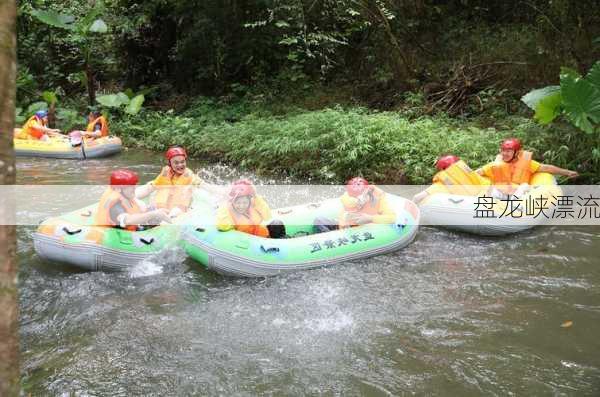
(62, 148)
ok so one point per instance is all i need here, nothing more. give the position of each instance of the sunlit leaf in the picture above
(593, 76)
(532, 98)
(548, 108)
(110, 101)
(135, 105)
(99, 26)
(581, 101)
(53, 18)
(50, 97)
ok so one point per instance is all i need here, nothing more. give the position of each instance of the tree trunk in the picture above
(9, 342)
(91, 83)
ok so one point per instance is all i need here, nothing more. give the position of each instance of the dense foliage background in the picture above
(469, 59)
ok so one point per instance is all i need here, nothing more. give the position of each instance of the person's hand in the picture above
(358, 218)
(572, 174)
(175, 212)
(362, 219)
(162, 215)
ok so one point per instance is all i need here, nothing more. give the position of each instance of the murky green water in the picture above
(449, 315)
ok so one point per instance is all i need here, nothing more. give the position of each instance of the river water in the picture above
(451, 314)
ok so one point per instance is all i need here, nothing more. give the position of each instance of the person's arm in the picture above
(386, 214)
(262, 207)
(143, 191)
(223, 220)
(417, 198)
(157, 216)
(552, 169)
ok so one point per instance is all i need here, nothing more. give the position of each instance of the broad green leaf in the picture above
(18, 111)
(532, 98)
(135, 105)
(110, 101)
(53, 18)
(548, 108)
(99, 26)
(34, 107)
(581, 102)
(593, 76)
(123, 98)
(50, 97)
(282, 24)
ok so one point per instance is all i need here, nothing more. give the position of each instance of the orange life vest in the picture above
(371, 207)
(167, 195)
(460, 179)
(109, 199)
(514, 173)
(250, 222)
(31, 129)
(103, 126)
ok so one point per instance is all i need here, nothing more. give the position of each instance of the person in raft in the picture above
(97, 126)
(512, 169)
(247, 212)
(118, 206)
(174, 185)
(37, 128)
(362, 203)
(454, 176)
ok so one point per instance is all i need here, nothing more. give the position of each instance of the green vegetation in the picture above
(331, 145)
(577, 97)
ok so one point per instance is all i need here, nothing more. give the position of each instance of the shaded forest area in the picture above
(371, 50)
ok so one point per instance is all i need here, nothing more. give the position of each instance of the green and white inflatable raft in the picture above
(238, 254)
(73, 238)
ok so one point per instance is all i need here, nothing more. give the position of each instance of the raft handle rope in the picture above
(147, 242)
(200, 229)
(271, 250)
(71, 232)
(284, 212)
(86, 214)
(313, 205)
(455, 201)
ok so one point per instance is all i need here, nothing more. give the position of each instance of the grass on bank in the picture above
(334, 144)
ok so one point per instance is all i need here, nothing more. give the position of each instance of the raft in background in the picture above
(457, 212)
(61, 148)
(73, 239)
(235, 253)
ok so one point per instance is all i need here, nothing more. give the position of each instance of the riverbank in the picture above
(337, 142)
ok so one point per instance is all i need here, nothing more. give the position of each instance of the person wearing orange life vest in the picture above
(454, 176)
(97, 126)
(362, 203)
(511, 172)
(247, 212)
(174, 185)
(37, 128)
(118, 206)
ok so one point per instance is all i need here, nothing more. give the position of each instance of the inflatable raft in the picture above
(238, 254)
(61, 147)
(73, 238)
(458, 212)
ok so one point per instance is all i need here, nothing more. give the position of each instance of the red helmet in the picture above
(175, 151)
(356, 186)
(123, 177)
(446, 161)
(511, 144)
(243, 187)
